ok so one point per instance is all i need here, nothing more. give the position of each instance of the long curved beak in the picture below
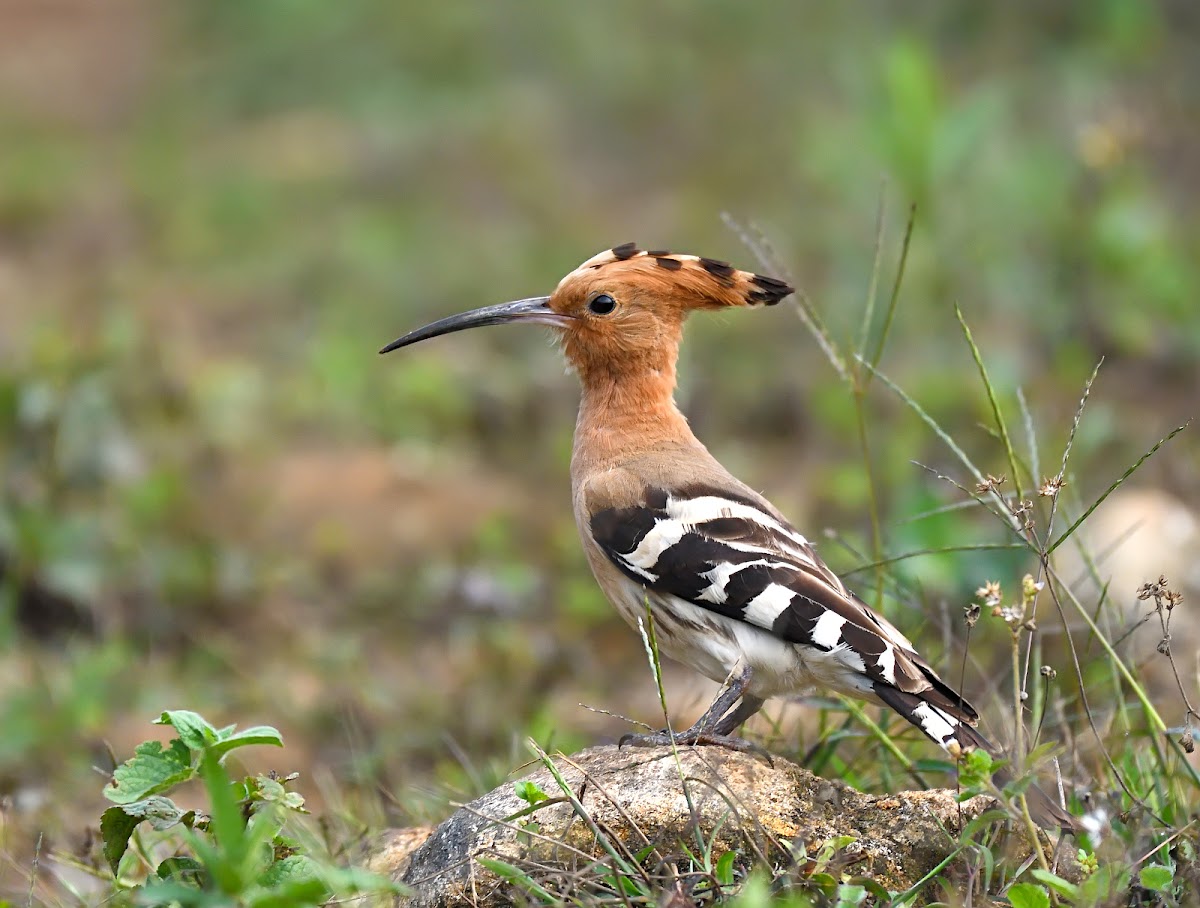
(536, 309)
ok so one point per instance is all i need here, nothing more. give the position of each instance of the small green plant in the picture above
(240, 852)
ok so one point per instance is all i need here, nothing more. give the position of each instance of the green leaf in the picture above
(1063, 887)
(160, 812)
(849, 895)
(1027, 895)
(289, 870)
(355, 881)
(193, 728)
(305, 893)
(873, 888)
(825, 882)
(1156, 877)
(272, 791)
(116, 826)
(167, 894)
(529, 792)
(976, 768)
(182, 869)
(1104, 884)
(512, 874)
(259, 734)
(149, 771)
(724, 868)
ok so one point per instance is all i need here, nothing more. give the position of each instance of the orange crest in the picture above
(621, 312)
(627, 305)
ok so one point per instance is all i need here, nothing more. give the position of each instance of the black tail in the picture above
(947, 731)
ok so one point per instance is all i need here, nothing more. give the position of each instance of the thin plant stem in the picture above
(884, 738)
(1115, 661)
(578, 807)
(872, 495)
(1035, 465)
(913, 891)
(948, 550)
(877, 354)
(864, 329)
(1018, 717)
(1112, 488)
(997, 414)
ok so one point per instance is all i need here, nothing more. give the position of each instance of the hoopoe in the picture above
(734, 590)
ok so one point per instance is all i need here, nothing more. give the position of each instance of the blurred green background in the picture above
(213, 493)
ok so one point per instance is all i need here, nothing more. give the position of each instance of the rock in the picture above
(634, 799)
(389, 854)
(1136, 535)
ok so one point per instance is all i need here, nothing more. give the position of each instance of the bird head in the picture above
(623, 309)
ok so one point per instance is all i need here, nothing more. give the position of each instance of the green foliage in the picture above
(517, 877)
(239, 853)
(1028, 895)
(1156, 877)
(151, 769)
(529, 792)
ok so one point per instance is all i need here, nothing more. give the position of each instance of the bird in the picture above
(734, 590)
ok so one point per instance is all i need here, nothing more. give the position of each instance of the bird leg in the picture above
(714, 727)
(747, 708)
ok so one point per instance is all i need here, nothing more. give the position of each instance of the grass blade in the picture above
(1035, 462)
(929, 421)
(515, 876)
(997, 414)
(877, 353)
(970, 547)
(864, 330)
(767, 259)
(855, 709)
(1062, 470)
(1112, 488)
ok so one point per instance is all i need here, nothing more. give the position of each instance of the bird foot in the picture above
(693, 737)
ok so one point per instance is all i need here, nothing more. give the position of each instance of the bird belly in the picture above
(714, 645)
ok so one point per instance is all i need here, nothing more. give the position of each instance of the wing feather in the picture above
(723, 551)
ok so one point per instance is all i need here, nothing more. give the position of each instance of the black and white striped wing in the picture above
(723, 552)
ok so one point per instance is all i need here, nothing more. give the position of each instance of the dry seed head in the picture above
(972, 613)
(1013, 615)
(1051, 487)
(1153, 590)
(989, 483)
(1048, 672)
(990, 592)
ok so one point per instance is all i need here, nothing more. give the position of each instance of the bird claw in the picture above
(696, 738)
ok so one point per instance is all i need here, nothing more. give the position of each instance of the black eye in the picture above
(602, 304)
